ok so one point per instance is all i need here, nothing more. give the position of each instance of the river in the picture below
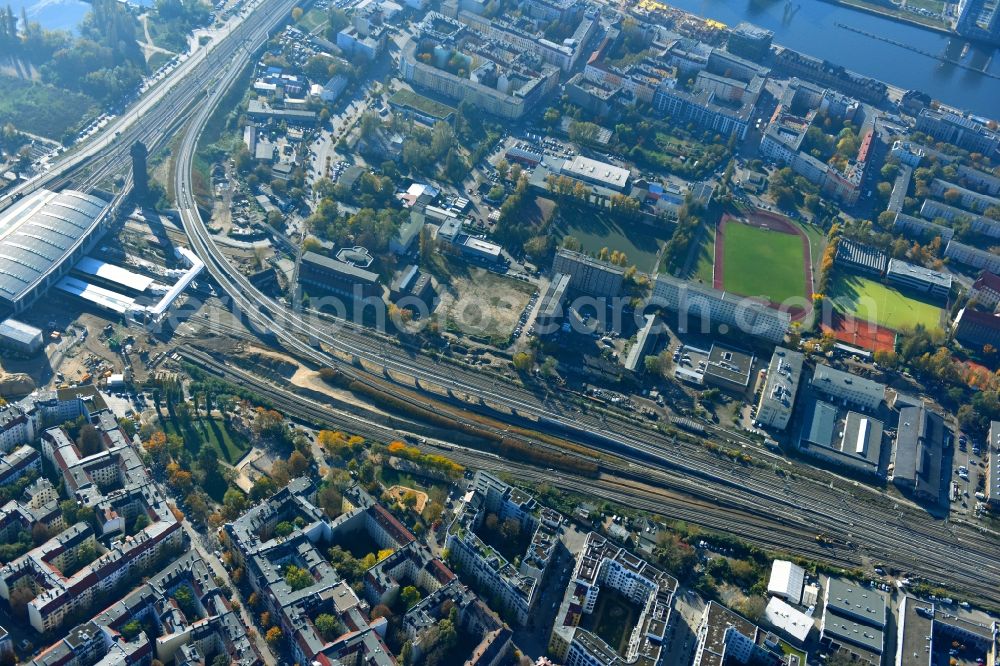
(809, 26)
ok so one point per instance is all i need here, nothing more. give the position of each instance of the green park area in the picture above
(881, 304)
(762, 262)
(42, 109)
(597, 229)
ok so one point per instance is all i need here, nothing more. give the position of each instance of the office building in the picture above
(917, 278)
(588, 275)
(977, 329)
(751, 42)
(20, 337)
(919, 453)
(777, 398)
(703, 308)
(43, 234)
(338, 277)
(924, 629)
(517, 588)
(601, 567)
(962, 131)
(851, 389)
(728, 368)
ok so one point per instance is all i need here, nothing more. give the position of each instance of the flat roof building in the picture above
(41, 235)
(598, 173)
(917, 278)
(786, 581)
(862, 258)
(728, 367)
(850, 388)
(993, 471)
(20, 337)
(588, 275)
(338, 277)
(702, 308)
(919, 456)
(789, 620)
(854, 616)
(777, 398)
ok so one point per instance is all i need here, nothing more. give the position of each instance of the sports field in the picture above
(763, 262)
(884, 305)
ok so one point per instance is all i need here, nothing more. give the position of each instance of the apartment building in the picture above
(961, 131)
(505, 81)
(21, 461)
(977, 329)
(186, 636)
(725, 637)
(516, 587)
(114, 483)
(973, 256)
(932, 209)
(921, 230)
(602, 566)
(703, 308)
(967, 199)
(777, 399)
(986, 291)
(523, 34)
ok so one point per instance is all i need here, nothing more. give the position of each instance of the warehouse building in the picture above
(917, 278)
(778, 396)
(854, 619)
(919, 456)
(786, 581)
(847, 439)
(20, 337)
(993, 471)
(41, 237)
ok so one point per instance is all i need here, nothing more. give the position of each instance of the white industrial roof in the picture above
(786, 580)
(585, 167)
(18, 330)
(37, 234)
(793, 622)
(104, 298)
(112, 273)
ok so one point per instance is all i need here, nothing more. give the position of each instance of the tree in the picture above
(752, 608)
(234, 503)
(503, 168)
(523, 361)
(409, 596)
(89, 440)
(273, 635)
(221, 659)
(185, 600)
(141, 523)
(262, 488)
(328, 626)
(284, 528)
(297, 577)
(296, 14)
(297, 464)
(131, 629)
